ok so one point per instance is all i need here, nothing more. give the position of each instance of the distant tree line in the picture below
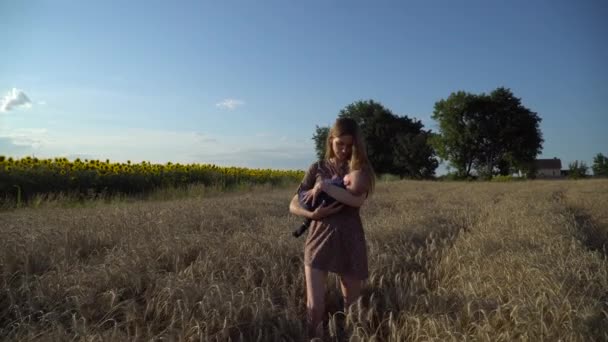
(479, 135)
(395, 144)
(579, 169)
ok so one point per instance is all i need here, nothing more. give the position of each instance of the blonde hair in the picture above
(358, 159)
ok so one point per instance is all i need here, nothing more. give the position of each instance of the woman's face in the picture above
(342, 147)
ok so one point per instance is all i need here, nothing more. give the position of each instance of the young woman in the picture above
(336, 240)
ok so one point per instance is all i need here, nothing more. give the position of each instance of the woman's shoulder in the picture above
(315, 166)
(362, 173)
(322, 165)
(360, 177)
(363, 180)
(318, 169)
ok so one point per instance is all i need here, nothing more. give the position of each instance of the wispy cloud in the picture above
(271, 137)
(230, 104)
(117, 144)
(204, 138)
(278, 157)
(121, 144)
(31, 138)
(15, 98)
(9, 148)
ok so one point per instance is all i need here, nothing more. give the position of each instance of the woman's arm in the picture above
(312, 193)
(308, 183)
(319, 213)
(296, 209)
(359, 187)
(343, 196)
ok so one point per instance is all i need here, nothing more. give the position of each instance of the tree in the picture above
(320, 138)
(489, 134)
(600, 165)
(395, 144)
(577, 169)
(413, 156)
(457, 139)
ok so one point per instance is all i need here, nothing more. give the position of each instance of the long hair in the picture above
(358, 159)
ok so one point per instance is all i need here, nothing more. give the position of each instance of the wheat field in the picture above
(524, 261)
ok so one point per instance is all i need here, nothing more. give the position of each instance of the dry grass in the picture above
(448, 261)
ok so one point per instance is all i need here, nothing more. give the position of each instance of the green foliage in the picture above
(395, 144)
(489, 134)
(577, 170)
(600, 165)
(455, 176)
(18, 195)
(387, 177)
(320, 139)
(502, 178)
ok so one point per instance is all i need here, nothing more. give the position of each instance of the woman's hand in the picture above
(313, 193)
(324, 211)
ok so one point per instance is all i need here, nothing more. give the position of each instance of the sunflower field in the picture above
(25, 177)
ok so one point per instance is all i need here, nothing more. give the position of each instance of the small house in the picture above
(548, 168)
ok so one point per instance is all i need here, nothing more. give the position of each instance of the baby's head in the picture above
(347, 180)
(352, 181)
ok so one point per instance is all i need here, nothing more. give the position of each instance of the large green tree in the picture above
(320, 137)
(395, 144)
(577, 169)
(487, 134)
(600, 165)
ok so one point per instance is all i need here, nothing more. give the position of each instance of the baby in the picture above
(323, 198)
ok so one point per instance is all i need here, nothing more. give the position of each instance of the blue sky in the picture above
(244, 83)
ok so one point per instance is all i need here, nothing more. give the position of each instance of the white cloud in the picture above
(269, 137)
(202, 138)
(116, 144)
(274, 157)
(42, 103)
(157, 146)
(258, 152)
(26, 137)
(230, 104)
(13, 99)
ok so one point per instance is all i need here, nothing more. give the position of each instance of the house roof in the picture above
(548, 163)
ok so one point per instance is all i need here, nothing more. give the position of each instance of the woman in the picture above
(336, 241)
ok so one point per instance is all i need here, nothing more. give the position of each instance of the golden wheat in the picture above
(448, 261)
